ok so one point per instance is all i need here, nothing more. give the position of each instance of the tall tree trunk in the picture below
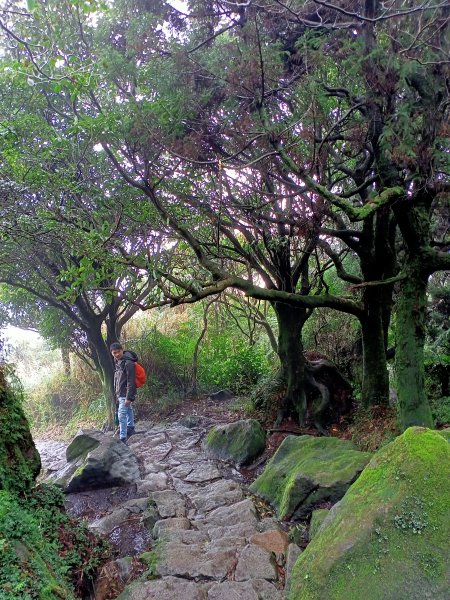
(65, 358)
(377, 264)
(410, 339)
(375, 384)
(414, 219)
(194, 390)
(107, 371)
(290, 350)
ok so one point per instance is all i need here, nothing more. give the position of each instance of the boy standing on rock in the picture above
(124, 388)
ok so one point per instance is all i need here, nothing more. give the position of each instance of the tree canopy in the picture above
(253, 146)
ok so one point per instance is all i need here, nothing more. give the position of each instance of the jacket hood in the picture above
(130, 355)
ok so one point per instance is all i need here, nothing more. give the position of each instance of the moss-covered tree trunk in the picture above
(290, 351)
(378, 263)
(410, 339)
(413, 216)
(375, 383)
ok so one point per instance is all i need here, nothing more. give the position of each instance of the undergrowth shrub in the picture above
(19, 460)
(166, 344)
(374, 427)
(60, 402)
(266, 395)
(45, 553)
(225, 358)
(440, 409)
(229, 362)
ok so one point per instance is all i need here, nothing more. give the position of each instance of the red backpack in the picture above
(141, 375)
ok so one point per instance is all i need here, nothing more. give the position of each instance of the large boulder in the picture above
(389, 536)
(306, 471)
(20, 462)
(98, 461)
(238, 442)
(82, 443)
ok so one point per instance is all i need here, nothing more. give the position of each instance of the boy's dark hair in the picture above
(115, 346)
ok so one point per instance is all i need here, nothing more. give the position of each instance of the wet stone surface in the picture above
(189, 520)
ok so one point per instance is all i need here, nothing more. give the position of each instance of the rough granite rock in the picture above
(292, 555)
(195, 560)
(82, 443)
(308, 470)
(141, 508)
(167, 588)
(255, 562)
(110, 463)
(239, 442)
(258, 589)
(389, 535)
(273, 540)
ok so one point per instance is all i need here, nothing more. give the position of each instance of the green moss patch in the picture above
(82, 443)
(20, 462)
(306, 471)
(388, 537)
(317, 518)
(30, 567)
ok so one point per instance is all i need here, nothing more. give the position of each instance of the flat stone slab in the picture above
(169, 503)
(203, 472)
(195, 560)
(153, 482)
(218, 493)
(137, 509)
(245, 530)
(161, 451)
(255, 562)
(184, 438)
(242, 513)
(151, 467)
(274, 540)
(164, 524)
(258, 589)
(185, 536)
(185, 456)
(167, 588)
(153, 440)
(181, 470)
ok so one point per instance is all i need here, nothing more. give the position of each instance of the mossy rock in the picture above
(389, 536)
(82, 443)
(317, 518)
(445, 433)
(108, 463)
(306, 471)
(239, 442)
(20, 462)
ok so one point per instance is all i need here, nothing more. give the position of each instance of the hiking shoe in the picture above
(124, 441)
(130, 431)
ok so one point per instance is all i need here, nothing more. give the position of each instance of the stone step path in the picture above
(208, 542)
